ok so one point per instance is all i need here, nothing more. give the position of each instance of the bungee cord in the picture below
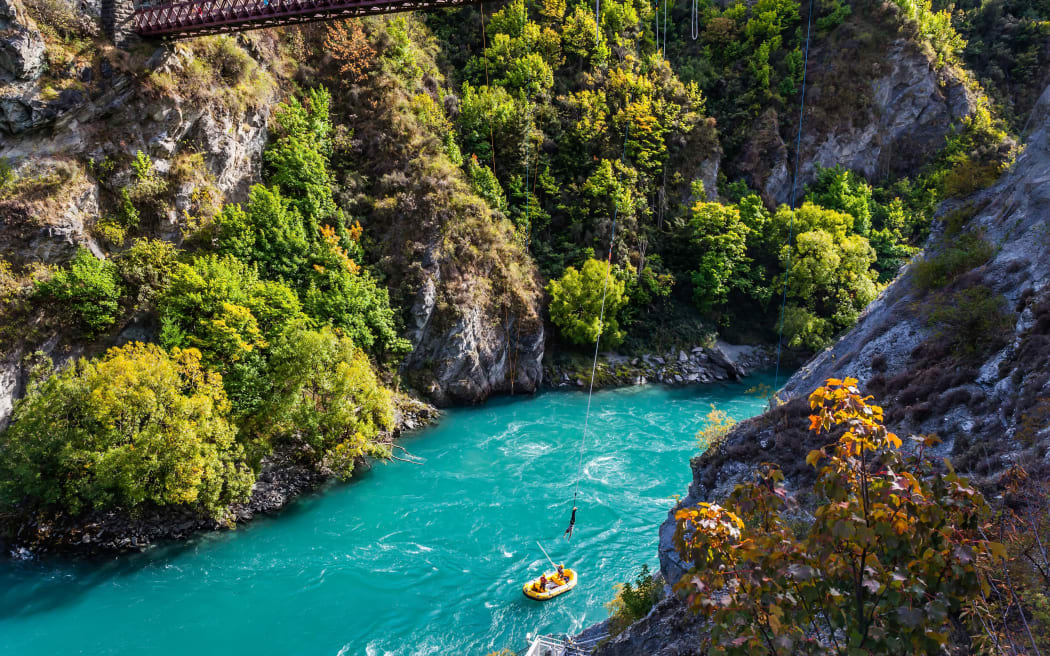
(601, 327)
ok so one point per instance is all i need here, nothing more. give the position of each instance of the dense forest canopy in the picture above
(504, 143)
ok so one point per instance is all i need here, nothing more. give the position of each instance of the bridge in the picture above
(124, 19)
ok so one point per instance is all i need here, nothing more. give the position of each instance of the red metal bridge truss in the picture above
(196, 17)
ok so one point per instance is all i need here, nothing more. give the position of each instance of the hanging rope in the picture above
(666, 2)
(794, 182)
(597, 21)
(694, 23)
(656, 23)
(601, 328)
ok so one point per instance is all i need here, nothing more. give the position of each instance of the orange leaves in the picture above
(356, 230)
(348, 45)
(332, 240)
(888, 533)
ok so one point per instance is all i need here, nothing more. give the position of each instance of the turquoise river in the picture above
(404, 559)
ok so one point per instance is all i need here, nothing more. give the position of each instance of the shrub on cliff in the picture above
(136, 427)
(576, 304)
(633, 602)
(146, 268)
(90, 288)
(894, 556)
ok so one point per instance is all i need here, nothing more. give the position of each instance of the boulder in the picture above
(21, 44)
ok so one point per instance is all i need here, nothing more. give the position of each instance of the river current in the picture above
(404, 559)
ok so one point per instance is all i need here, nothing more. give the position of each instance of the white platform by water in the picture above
(549, 645)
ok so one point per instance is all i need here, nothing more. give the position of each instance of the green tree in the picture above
(145, 269)
(137, 426)
(220, 306)
(90, 288)
(831, 279)
(328, 397)
(844, 191)
(719, 239)
(341, 294)
(298, 159)
(270, 233)
(576, 304)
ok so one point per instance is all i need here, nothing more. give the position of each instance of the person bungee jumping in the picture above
(572, 523)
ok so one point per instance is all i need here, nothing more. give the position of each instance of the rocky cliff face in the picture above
(464, 350)
(876, 103)
(987, 401)
(70, 150)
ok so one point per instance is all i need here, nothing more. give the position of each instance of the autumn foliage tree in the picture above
(348, 45)
(894, 555)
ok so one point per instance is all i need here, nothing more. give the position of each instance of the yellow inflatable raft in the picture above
(555, 585)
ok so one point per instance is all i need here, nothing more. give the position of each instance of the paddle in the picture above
(545, 554)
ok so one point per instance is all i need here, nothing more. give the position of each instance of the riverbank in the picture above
(381, 551)
(702, 363)
(284, 475)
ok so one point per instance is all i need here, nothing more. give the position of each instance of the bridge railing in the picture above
(210, 16)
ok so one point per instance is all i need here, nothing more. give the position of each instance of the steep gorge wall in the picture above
(988, 407)
(472, 314)
(69, 125)
(876, 103)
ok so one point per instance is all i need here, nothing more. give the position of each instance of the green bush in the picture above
(718, 237)
(971, 321)
(145, 268)
(90, 289)
(328, 397)
(220, 306)
(716, 428)
(960, 255)
(135, 427)
(633, 602)
(269, 233)
(576, 304)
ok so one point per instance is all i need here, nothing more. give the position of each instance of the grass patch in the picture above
(964, 254)
(970, 322)
(216, 71)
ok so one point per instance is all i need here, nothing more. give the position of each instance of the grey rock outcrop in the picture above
(466, 351)
(876, 103)
(670, 629)
(21, 45)
(699, 364)
(111, 119)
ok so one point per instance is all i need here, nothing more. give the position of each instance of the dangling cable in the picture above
(666, 2)
(794, 181)
(597, 21)
(656, 24)
(694, 23)
(601, 327)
